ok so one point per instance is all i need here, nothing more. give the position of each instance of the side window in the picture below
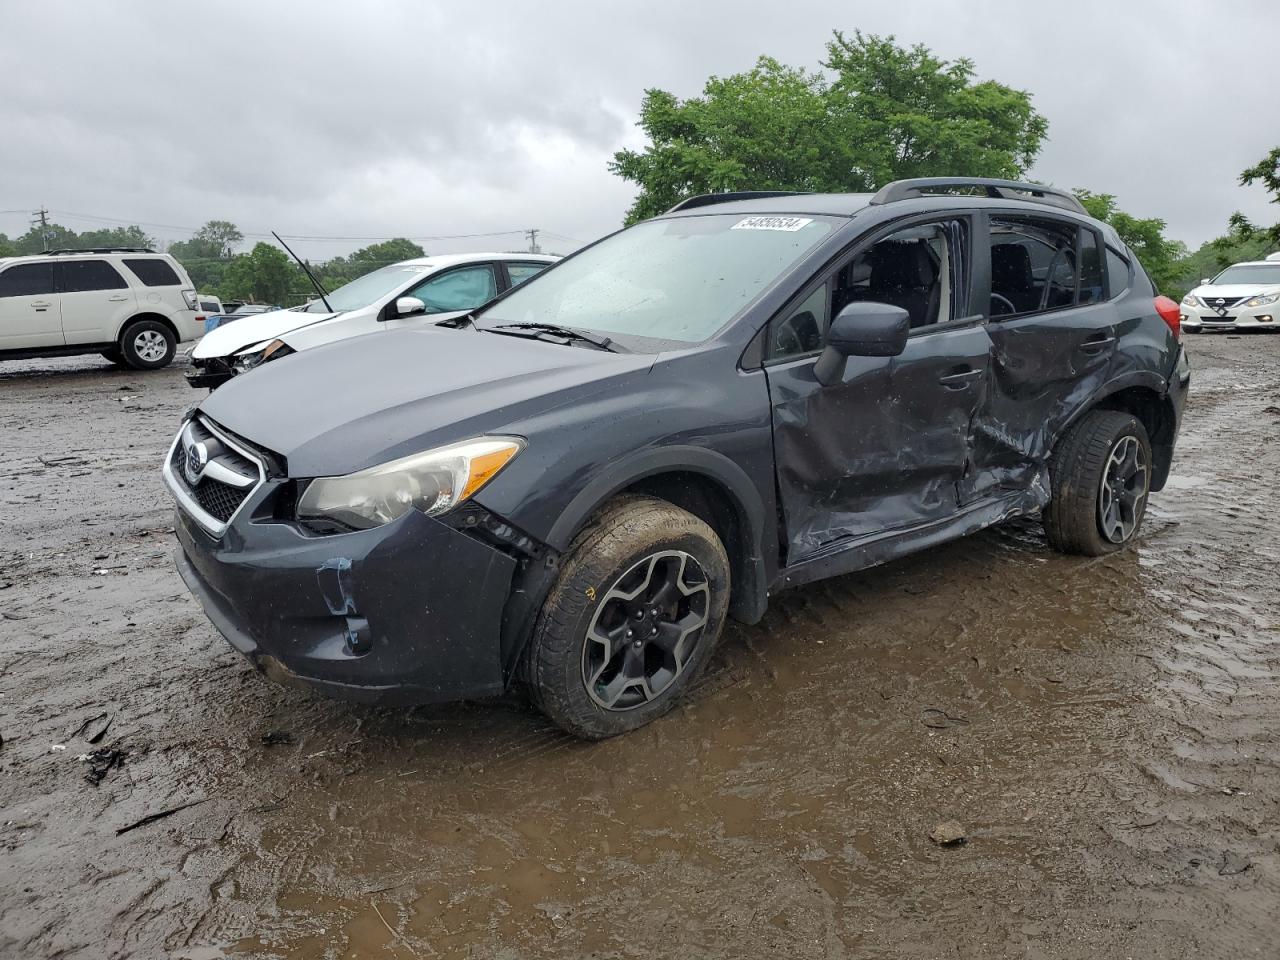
(1117, 274)
(82, 276)
(802, 329)
(520, 272)
(1091, 285)
(1036, 266)
(917, 268)
(153, 272)
(27, 280)
(459, 289)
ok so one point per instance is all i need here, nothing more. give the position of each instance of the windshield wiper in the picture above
(555, 333)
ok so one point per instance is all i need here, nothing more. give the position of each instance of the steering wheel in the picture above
(787, 341)
(999, 300)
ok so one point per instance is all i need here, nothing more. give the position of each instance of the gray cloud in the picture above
(378, 119)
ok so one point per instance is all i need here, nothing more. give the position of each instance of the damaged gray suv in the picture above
(573, 487)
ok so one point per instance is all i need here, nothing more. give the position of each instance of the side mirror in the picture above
(862, 329)
(1205, 280)
(410, 307)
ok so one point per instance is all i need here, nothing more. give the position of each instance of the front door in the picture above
(29, 313)
(887, 446)
(1053, 332)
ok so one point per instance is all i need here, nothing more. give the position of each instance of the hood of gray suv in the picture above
(360, 402)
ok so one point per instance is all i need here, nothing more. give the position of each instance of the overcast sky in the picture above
(370, 120)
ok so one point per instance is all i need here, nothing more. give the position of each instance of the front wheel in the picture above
(631, 620)
(148, 345)
(1100, 475)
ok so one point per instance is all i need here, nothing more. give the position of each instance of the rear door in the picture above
(96, 300)
(29, 313)
(885, 448)
(1053, 334)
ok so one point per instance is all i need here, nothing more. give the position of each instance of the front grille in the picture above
(1217, 319)
(211, 474)
(219, 500)
(1213, 304)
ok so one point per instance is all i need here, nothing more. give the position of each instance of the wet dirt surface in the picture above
(1106, 732)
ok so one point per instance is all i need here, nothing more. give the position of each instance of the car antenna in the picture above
(307, 270)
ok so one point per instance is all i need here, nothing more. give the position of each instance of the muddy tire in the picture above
(1100, 476)
(147, 345)
(630, 621)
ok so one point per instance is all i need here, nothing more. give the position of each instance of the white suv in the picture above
(1245, 296)
(409, 293)
(131, 305)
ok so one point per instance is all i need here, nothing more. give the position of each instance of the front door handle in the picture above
(961, 379)
(1096, 344)
(41, 305)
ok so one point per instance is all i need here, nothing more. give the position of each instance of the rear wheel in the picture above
(1100, 476)
(631, 620)
(147, 345)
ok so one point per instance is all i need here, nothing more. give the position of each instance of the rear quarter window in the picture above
(1117, 273)
(154, 273)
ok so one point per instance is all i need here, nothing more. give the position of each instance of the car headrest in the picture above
(1011, 267)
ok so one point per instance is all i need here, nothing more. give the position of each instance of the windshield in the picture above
(677, 280)
(368, 289)
(1250, 273)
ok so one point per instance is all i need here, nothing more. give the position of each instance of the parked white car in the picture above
(1245, 296)
(131, 305)
(409, 293)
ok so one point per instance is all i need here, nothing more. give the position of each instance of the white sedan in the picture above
(409, 293)
(1245, 296)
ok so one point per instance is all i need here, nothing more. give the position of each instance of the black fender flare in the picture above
(751, 595)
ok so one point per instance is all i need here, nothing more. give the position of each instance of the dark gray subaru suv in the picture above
(574, 487)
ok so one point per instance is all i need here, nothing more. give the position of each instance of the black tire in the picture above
(147, 345)
(1077, 519)
(633, 537)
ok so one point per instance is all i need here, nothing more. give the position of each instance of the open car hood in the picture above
(229, 339)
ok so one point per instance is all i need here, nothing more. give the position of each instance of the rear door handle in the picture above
(41, 305)
(117, 299)
(1096, 344)
(960, 380)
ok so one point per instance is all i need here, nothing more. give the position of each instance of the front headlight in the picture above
(256, 355)
(434, 482)
(1262, 300)
(1191, 300)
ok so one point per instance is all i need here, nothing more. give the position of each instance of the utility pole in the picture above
(533, 240)
(41, 217)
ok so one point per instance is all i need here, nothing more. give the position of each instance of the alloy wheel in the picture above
(1124, 487)
(150, 346)
(645, 630)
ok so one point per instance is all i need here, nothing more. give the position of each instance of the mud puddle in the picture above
(1104, 730)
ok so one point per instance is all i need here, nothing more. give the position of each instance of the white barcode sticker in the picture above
(789, 224)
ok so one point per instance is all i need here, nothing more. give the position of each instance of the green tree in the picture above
(1266, 170)
(264, 275)
(340, 270)
(880, 112)
(7, 248)
(1163, 259)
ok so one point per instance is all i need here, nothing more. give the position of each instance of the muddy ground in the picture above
(1107, 731)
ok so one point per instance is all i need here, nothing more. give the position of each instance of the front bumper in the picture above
(410, 612)
(1197, 319)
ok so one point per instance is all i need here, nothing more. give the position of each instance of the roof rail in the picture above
(707, 199)
(996, 189)
(72, 250)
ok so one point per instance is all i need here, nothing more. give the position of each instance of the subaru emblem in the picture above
(197, 459)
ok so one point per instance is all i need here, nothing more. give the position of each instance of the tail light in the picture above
(190, 297)
(1170, 314)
